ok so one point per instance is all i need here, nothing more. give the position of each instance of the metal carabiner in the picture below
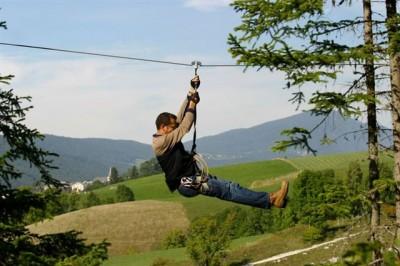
(196, 65)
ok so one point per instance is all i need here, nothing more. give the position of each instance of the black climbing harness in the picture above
(201, 164)
(195, 85)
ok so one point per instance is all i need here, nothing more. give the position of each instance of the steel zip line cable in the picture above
(111, 56)
(142, 59)
(95, 54)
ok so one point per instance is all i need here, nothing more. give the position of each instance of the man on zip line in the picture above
(181, 170)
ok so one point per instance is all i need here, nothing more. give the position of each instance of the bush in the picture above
(313, 234)
(124, 193)
(175, 239)
(90, 200)
(207, 241)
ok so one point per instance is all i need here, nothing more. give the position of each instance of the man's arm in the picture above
(163, 143)
(182, 110)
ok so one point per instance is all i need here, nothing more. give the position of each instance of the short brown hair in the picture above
(164, 119)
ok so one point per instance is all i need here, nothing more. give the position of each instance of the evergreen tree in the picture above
(393, 37)
(17, 245)
(296, 38)
(355, 179)
(133, 172)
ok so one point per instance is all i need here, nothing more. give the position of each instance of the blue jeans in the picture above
(227, 190)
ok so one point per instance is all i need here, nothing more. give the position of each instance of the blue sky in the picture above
(83, 96)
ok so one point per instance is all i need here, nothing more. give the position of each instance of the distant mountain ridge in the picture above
(84, 159)
(255, 143)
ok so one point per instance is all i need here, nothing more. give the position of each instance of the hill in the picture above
(254, 143)
(142, 224)
(125, 224)
(84, 159)
(129, 226)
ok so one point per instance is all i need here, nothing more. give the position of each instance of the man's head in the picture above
(166, 123)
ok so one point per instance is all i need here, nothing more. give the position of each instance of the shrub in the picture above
(313, 234)
(207, 241)
(124, 193)
(175, 239)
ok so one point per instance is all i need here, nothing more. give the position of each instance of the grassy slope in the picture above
(129, 226)
(249, 249)
(141, 225)
(260, 247)
(154, 187)
(261, 175)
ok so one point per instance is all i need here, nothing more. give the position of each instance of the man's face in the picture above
(170, 127)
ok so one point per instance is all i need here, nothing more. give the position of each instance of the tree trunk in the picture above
(372, 124)
(394, 57)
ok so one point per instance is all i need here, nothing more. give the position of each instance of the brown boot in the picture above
(277, 198)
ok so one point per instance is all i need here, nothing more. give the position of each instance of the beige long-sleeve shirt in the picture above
(163, 143)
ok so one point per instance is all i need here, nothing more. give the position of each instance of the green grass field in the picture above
(263, 176)
(333, 161)
(154, 187)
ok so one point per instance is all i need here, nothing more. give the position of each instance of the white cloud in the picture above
(114, 99)
(207, 5)
(105, 98)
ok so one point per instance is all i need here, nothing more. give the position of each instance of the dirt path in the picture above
(298, 251)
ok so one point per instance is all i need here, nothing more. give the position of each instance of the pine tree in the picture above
(296, 37)
(393, 36)
(17, 245)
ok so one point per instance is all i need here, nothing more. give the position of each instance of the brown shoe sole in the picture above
(281, 195)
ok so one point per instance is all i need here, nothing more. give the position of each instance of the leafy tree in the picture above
(133, 172)
(207, 241)
(150, 167)
(319, 197)
(90, 200)
(354, 179)
(18, 246)
(124, 193)
(175, 239)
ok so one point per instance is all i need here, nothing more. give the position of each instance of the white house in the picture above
(80, 186)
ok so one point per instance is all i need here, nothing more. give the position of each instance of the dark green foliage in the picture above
(23, 248)
(360, 253)
(91, 199)
(298, 138)
(298, 39)
(132, 172)
(175, 239)
(313, 234)
(354, 179)
(207, 241)
(150, 167)
(124, 193)
(255, 221)
(319, 197)
(19, 206)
